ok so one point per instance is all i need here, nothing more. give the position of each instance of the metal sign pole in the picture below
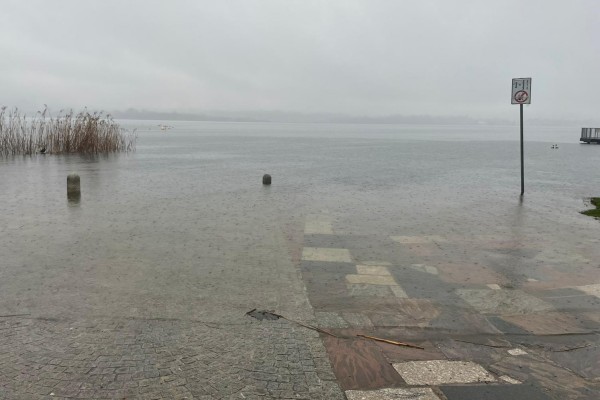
(521, 94)
(522, 166)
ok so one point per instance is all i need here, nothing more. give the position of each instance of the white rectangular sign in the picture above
(521, 91)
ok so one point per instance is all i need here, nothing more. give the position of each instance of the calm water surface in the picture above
(193, 195)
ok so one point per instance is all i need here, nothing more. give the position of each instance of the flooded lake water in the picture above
(191, 196)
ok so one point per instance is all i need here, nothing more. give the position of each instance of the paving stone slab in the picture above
(371, 280)
(359, 363)
(584, 361)
(357, 319)
(439, 372)
(425, 268)
(372, 270)
(326, 254)
(396, 394)
(466, 273)
(560, 382)
(330, 320)
(319, 240)
(419, 239)
(594, 289)
(398, 354)
(502, 301)
(365, 290)
(547, 323)
(504, 326)
(317, 225)
(376, 263)
(494, 392)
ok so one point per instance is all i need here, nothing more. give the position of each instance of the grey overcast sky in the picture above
(437, 57)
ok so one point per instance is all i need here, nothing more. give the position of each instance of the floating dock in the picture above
(590, 135)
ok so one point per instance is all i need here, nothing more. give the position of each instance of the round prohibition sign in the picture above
(521, 96)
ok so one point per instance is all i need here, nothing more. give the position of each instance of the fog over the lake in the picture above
(365, 58)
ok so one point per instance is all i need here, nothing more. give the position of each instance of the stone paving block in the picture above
(363, 290)
(316, 226)
(357, 319)
(428, 269)
(493, 392)
(469, 273)
(594, 289)
(508, 379)
(371, 280)
(377, 263)
(504, 326)
(584, 361)
(326, 254)
(502, 301)
(481, 350)
(372, 270)
(396, 394)
(439, 372)
(562, 383)
(418, 239)
(330, 320)
(577, 303)
(399, 292)
(359, 363)
(402, 354)
(547, 323)
(516, 352)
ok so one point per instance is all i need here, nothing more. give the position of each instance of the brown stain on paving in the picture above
(359, 363)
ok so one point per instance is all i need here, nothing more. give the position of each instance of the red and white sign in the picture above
(521, 91)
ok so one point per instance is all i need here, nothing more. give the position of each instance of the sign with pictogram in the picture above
(521, 91)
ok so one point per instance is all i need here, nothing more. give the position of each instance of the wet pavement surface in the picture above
(141, 290)
(531, 334)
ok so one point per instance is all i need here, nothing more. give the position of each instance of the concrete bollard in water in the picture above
(73, 187)
(266, 179)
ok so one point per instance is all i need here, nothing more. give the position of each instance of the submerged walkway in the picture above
(497, 318)
(521, 324)
(155, 326)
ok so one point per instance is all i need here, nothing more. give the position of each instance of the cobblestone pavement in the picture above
(116, 358)
(121, 319)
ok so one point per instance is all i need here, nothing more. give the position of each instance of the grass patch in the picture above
(594, 212)
(82, 133)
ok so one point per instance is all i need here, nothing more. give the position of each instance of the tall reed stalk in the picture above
(82, 133)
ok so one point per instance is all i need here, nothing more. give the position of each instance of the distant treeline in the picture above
(83, 133)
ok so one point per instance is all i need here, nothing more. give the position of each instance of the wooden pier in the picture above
(590, 135)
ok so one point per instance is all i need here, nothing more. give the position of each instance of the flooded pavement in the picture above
(483, 329)
(140, 289)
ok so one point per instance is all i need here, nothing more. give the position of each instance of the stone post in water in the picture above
(266, 179)
(73, 187)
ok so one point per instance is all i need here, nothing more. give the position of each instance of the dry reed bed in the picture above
(82, 133)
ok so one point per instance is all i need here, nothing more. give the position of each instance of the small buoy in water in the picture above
(266, 179)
